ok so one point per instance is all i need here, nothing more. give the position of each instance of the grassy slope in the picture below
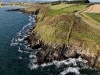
(67, 9)
(60, 6)
(54, 27)
(92, 18)
(95, 16)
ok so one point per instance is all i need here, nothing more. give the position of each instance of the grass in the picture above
(95, 16)
(56, 26)
(83, 34)
(56, 29)
(65, 10)
(91, 18)
(60, 6)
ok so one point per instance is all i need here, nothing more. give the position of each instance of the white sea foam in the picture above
(26, 52)
(72, 70)
(20, 57)
(79, 59)
(65, 62)
(43, 65)
(32, 56)
(22, 33)
(19, 50)
(33, 66)
(59, 64)
(13, 44)
(82, 60)
(85, 61)
(20, 39)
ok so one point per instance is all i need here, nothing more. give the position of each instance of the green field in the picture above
(60, 6)
(66, 8)
(95, 16)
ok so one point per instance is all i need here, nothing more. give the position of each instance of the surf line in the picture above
(18, 39)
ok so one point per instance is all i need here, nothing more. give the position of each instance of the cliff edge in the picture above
(59, 34)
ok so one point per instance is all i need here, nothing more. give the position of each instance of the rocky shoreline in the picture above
(47, 53)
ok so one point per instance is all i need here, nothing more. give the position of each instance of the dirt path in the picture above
(91, 9)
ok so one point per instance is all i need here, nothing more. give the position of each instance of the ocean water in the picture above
(17, 59)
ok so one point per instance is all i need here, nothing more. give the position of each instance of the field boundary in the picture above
(86, 19)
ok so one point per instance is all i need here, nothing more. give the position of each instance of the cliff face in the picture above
(61, 36)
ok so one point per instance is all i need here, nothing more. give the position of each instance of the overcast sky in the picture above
(45, 0)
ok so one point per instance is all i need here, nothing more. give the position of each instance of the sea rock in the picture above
(13, 10)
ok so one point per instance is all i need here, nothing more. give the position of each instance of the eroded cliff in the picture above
(59, 34)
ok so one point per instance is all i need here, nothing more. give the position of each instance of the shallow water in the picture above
(17, 59)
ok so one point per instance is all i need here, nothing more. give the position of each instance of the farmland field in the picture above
(91, 15)
(93, 9)
(60, 6)
(65, 8)
(95, 16)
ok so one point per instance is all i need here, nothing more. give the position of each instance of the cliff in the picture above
(59, 34)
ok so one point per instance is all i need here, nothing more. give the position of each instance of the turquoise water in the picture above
(16, 58)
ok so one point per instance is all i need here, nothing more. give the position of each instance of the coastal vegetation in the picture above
(95, 16)
(60, 6)
(55, 25)
(59, 27)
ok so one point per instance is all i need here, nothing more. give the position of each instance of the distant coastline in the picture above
(15, 6)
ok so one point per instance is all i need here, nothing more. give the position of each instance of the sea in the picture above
(16, 58)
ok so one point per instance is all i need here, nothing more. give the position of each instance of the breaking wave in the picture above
(71, 70)
(58, 64)
(18, 39)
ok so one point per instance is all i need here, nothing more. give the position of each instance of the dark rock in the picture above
(26, 38)
(70, 54)
(13, 10)
(37, 46)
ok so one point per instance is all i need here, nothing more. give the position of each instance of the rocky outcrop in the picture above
(35, 12)
(13, 10)
(29, 10)
(47, 53)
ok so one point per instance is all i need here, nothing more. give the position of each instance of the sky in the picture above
(45, 0)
